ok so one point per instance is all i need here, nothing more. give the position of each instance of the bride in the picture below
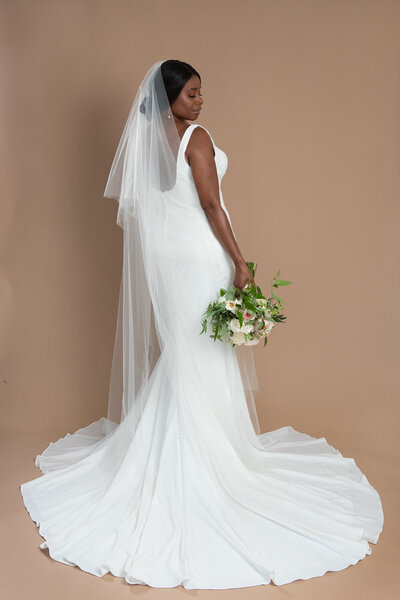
(177, 486)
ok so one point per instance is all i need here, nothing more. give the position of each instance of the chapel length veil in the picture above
(142, 175)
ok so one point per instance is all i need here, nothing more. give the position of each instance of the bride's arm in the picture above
(200, 157)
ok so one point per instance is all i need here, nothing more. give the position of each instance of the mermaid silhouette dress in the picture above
(197, 498)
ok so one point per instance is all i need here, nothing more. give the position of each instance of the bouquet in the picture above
(244, 316)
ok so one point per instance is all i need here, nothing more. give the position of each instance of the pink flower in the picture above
(268, 325)
(247, 315)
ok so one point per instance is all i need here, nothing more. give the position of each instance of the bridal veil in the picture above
(141, 178)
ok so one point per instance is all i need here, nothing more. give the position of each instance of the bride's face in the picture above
(188, 103)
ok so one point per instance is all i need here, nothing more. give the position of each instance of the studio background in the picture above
(303, 97)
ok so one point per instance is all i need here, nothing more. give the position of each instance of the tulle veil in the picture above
(142, 175)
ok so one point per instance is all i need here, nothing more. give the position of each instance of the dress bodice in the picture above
(184, 193)
(221, 159)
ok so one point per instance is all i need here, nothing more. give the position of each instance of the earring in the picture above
(169, 116)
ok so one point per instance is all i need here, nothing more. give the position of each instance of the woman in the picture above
(177, 486)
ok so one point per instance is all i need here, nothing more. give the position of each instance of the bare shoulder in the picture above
(200, 143)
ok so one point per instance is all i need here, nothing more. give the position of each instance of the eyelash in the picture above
(194, 96)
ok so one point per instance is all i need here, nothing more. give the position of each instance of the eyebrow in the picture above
(194, 88)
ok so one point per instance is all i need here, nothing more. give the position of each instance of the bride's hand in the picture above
(242, 276)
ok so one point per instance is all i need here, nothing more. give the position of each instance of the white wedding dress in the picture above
(196, 498)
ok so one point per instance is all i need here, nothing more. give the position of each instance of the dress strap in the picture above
(186, 137)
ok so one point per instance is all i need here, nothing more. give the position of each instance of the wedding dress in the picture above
(196, 497)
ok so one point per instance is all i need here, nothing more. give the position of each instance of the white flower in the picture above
(234, 325)
(231, 304)
(261, 302)
(253, 342)
(237, 338)
(221, 299)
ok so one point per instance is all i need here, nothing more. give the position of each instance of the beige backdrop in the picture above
(303, 96)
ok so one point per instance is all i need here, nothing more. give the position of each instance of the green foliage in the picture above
(250, 300)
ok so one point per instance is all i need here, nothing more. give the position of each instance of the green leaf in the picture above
(250, 305)
(240, 317)
(224, 329)
(281, 282)
(277, 297)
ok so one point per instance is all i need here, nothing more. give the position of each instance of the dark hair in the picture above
(175, 74)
